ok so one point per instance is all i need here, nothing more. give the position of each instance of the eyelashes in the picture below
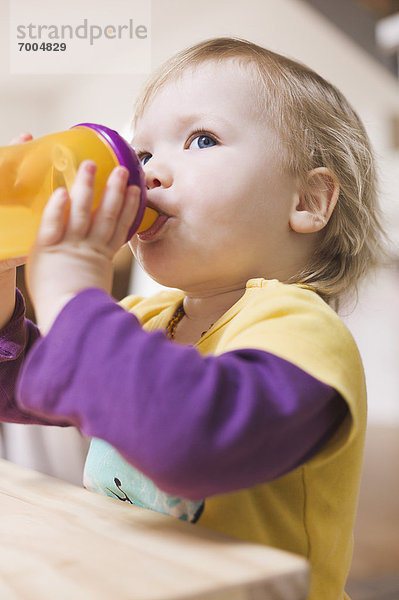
(143, 157)
(198, 133)
(204, 141)
(209, 140)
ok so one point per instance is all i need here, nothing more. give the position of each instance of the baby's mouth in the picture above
(150, 216)
(154, 227)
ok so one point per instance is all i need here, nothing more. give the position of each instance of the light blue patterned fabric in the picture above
(108, 473)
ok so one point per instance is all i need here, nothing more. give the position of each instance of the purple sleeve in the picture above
(195, 425)
(15, 341)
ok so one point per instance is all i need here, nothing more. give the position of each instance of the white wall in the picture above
(42, 104)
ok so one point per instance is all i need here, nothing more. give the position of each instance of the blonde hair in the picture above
(317, 127)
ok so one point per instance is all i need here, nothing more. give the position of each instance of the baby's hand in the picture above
(74, 247)
(21, 138)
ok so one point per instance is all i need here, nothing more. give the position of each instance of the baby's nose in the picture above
(157, 174)
(152, 182)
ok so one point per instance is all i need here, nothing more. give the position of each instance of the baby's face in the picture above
(212, 168)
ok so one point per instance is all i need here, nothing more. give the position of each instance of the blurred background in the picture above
(355, 45)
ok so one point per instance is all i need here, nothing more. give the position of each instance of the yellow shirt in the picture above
(310, 511)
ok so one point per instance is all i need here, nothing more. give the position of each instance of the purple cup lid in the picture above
(126, 157)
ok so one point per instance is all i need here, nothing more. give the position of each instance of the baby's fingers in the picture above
(108, 214)
(126, 217)
(82, 196)
(20, 139)
(52, 226)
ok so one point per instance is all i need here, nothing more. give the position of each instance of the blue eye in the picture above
(202, 141)
(144, 158)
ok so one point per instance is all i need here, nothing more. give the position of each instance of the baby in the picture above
(237, 399)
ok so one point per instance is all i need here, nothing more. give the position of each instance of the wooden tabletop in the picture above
(61, 542)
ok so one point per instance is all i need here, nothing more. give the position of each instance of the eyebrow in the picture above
(186, 120)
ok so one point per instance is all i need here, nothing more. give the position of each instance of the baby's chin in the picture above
(171, 266)
(165, 280)
(155, 272)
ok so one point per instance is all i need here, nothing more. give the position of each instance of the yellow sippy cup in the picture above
(30, 172)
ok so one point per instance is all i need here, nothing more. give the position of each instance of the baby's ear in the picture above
(313, 207)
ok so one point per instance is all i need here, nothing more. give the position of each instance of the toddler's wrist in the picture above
(48, 311)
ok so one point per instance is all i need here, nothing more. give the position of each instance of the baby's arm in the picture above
(16, 338)
(7, 288)
(195, 425)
